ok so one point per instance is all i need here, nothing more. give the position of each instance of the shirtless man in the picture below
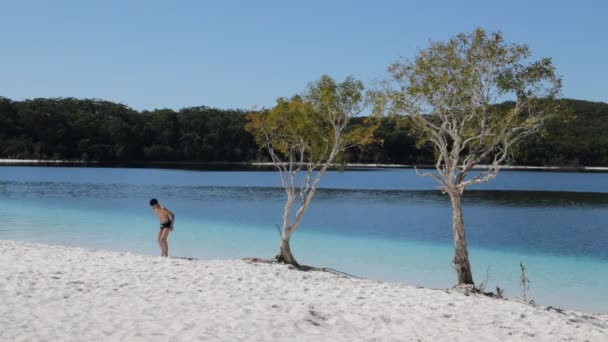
(167, 219)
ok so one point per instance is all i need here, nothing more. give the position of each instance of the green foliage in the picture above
(75, 129)
(291, 127)
(106, 131)
(394, 141)
(577, 137)
(452, 90)
(312, 128)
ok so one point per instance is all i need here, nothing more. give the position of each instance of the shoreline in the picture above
(268, 165)
(43, 161)
(67, 293)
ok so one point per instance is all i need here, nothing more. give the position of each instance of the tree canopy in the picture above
(452, 91)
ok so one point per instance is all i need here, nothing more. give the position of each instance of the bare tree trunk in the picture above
(285, 255)
(461, 253)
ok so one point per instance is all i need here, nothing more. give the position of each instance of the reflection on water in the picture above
(382, 179)
(537, 198)
(244, 193)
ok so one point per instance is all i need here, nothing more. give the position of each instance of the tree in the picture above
(451, 90)
(307, 134)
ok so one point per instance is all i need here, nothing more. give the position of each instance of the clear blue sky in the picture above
(240, 54)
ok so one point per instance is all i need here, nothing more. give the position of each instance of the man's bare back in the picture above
(164, 215)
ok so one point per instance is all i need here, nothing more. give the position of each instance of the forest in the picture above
(104, 131)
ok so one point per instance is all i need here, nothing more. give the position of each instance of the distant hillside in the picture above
(580, 138)
(75, 129)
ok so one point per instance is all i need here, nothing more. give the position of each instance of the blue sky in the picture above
(240, 54)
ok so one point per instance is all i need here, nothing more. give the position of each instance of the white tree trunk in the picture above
(461, 254)
(285, 256)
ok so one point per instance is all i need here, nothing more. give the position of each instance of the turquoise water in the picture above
(381, 224)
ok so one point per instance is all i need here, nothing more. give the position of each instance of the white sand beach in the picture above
(55, 293)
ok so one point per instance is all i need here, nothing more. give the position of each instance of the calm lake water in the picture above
(385, 224)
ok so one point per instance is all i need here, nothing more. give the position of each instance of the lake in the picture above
(385, 224)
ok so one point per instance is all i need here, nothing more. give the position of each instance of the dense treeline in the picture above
(577, 138)
(105, 131)
(76, 129)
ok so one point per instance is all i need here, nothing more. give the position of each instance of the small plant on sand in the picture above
(482, 287)
(500, 292)
(524, 282)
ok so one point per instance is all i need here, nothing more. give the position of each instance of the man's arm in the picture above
(170, 214)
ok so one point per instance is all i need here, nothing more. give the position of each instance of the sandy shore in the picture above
(58, 293)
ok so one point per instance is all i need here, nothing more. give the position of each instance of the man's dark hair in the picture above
(153, 201)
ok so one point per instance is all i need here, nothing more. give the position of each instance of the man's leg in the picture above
(160, 241)
(164, 245)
